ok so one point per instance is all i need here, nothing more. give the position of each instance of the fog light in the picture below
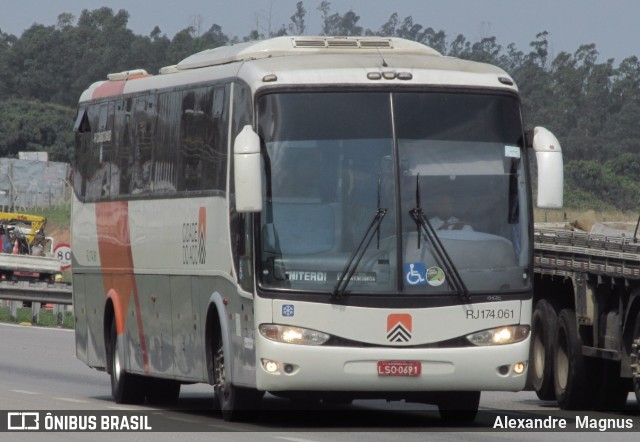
(519, 367)
(271, 366)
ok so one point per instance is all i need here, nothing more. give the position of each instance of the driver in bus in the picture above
(442, 215)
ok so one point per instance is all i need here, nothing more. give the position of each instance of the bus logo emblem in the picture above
(399, 327)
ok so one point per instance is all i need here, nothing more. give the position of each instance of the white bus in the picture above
(318, 218)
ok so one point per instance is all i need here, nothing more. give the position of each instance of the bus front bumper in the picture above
(288, 367)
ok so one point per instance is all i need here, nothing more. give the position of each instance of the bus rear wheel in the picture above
(236, 403)
(126, 388)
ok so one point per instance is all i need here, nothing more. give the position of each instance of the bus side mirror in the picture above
(550, 168)
(246, 172)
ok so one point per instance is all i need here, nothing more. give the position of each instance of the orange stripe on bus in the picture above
(108, 89)
(114, 246)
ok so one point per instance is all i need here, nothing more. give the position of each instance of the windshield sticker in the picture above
(415, 273)
(512, 151)
(435, 276)
(306, 276)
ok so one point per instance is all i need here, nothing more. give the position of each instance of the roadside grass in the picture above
(46, 318)
(591, 216)
(59, 216)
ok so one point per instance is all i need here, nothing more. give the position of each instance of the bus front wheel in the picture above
(236, 403)
(126, 388)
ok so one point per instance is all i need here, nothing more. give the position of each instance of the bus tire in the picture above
(459, 406)
(635, 358)
(543, 329)
(163, 391)
(235, 403)
(126, 388)
(572, 385)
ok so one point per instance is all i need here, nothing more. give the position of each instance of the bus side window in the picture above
(82, 129)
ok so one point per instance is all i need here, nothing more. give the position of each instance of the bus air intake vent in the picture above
(347, 43)
(342, 43)
(376, 44)
(309, 43)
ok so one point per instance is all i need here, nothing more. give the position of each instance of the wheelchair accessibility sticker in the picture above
(416, 273)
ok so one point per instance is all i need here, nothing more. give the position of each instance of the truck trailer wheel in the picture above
(573, 387)
(635, 358)
(543, 330)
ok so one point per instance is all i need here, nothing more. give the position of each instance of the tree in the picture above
(29, 125)
(297, 25)
(339, 25)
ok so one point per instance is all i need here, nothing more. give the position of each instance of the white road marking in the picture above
(24, 392)
(294, 439)
(38, 328)
(69, 399)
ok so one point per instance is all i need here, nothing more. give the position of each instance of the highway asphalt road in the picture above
(39, 371)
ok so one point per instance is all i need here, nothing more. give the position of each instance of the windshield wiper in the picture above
(356, 256)
(422, 221)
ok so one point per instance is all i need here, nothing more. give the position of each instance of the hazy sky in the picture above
(612, 25)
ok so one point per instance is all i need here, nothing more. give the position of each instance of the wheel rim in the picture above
(635, 370)
(117, 366)
(219, 375)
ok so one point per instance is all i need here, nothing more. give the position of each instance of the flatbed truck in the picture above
(586, 319)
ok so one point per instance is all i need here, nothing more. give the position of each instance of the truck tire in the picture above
(573, 388)
(126, 388)
(459, 406)
(635, 358)
(543, 330)
(235, 403)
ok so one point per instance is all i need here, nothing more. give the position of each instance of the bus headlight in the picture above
(500, 335)
(293, 335)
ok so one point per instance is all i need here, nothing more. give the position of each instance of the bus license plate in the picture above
(399, 368)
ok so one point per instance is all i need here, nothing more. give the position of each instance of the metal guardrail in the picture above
(25, 291)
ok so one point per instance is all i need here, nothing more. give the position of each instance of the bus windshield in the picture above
(334, 160)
